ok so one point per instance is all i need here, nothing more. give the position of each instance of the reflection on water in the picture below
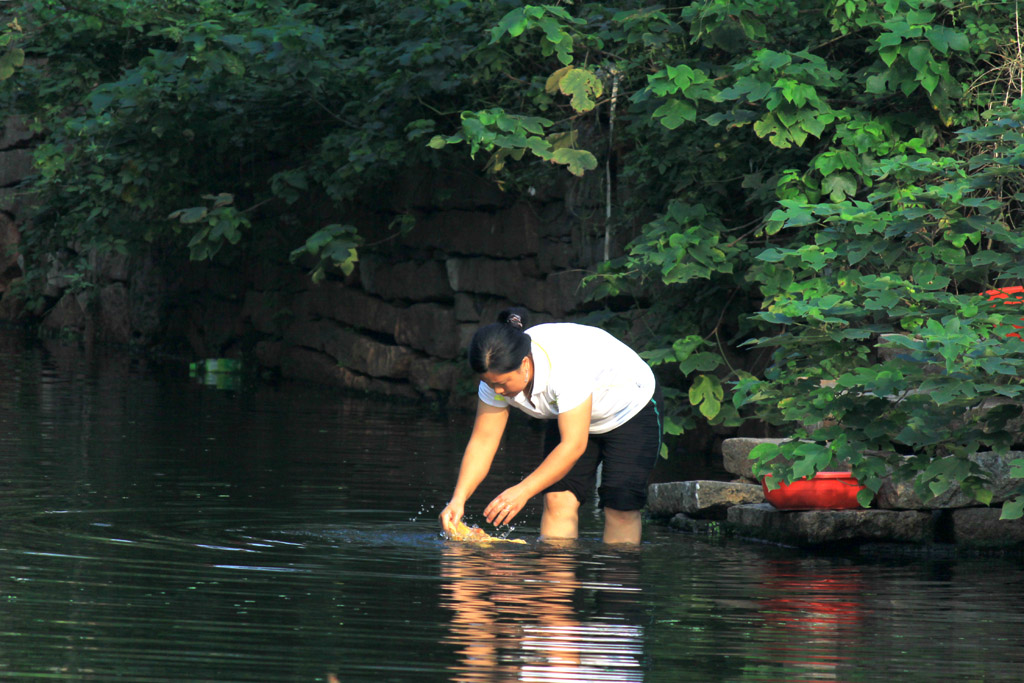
(517, 616)
(811, 619)
(154, 529)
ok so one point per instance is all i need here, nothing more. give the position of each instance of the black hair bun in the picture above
(516, 317)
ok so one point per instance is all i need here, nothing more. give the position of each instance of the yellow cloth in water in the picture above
(461, 532)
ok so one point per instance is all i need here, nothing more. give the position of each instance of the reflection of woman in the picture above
(593, 388)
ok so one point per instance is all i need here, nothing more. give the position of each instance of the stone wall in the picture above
(398, 326)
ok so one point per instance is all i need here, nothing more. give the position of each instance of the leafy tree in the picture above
(828, 179)
(786, 188)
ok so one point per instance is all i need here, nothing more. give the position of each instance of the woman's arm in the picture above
(574, 429)
(476, 460)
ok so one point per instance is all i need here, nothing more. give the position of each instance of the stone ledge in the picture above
(825, 527)
(982, 528)
(704, 499)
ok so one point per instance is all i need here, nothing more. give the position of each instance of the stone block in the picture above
(981, 527)
(555, 254)
(429, 188)
(827, 527)
(996, 468)
(270, 276)
(314, 366)
(430, 328)
(348, 306)
(427, 374)
(498, 277)
(564, 292)
(705, 499)
(736, 455)
(506, 234)
(267, 312)
(467, 307)
(707, 527)
(351, 350)
(408, 281)
(15, 166)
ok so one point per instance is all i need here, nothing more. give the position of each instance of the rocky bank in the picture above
(897, 515)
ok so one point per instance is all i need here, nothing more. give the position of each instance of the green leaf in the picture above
(706, 393)
(583, 86)
(11, 60)
(578, 161)
(919, 57)
(675, 113)
(1013, 509)
(190, 215)
(839, 186)
(513, 23)
(551, 86)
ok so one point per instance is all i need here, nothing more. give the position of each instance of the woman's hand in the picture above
(451, 516)
(506, 506)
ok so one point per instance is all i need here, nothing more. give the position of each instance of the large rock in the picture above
(901, 496)
(981, 527)
(10, 238)
(823, 527)
(67, 316)
(708, 499)
(114, 314)
(147, 300)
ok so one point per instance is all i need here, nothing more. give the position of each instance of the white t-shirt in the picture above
(572, 362)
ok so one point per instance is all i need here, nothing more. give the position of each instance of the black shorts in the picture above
(629, 453)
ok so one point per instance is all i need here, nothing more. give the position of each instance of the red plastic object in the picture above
(825, 491)
(1004, 293)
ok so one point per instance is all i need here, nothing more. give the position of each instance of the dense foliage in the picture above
(816, 194)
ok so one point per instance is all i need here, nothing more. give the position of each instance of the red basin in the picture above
(826, 491)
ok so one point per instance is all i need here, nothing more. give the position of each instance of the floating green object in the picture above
(222, 373)
(218, 365)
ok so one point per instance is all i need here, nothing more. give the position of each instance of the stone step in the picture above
(825, 527)
(702, 499)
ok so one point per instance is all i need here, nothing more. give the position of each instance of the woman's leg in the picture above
(561, 515)
(629, 453)
(622, 526)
